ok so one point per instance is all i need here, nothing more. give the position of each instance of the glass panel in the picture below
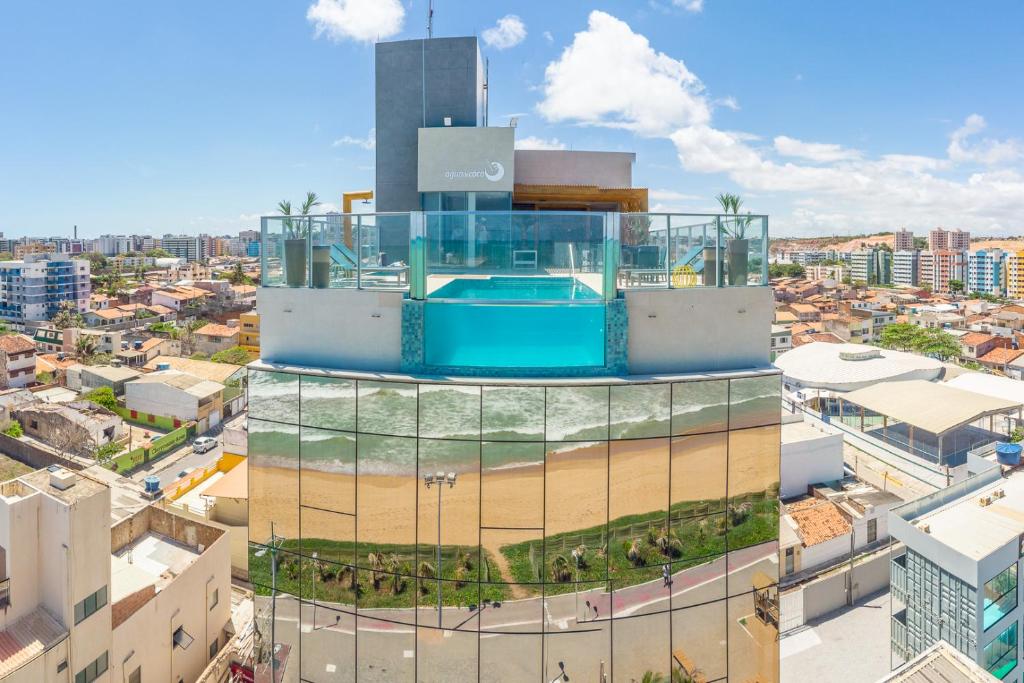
(387, 408)
(577, 413)
(445, 656)
(640, 411)
(329, 536)
(699, 640)
(1000, 656)
(274, 396)
(700, 407)
(386, 496)
(753, 568)
(642, 643)
(753, 486)
(328, 476)
(329, 403)
(513, 413)
(272, 252)
(576, 508)
(449, 411)
(699, 474)
(276, 644)
(511, 657)
(753, 641)
(1000, 596)
(579, 651)
(383, 250)
(513, 485)
(513, 556)
(273, 480)
(755, 401)
(328, 644)
(387, 651)
(639, 537)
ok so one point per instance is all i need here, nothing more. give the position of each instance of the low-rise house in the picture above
(223, 373)
(17, 361)
(107, 317)
(976, 344)
(211, 338)
(48, 339)
(178, 298)
(804, 312)
(781, 340)
(244, 295)
(177, 395)
(98, 301)
(79, 427)
(114, 377)
(141, 351)
(999, 359)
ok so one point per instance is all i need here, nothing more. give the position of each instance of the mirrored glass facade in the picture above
(447, 531)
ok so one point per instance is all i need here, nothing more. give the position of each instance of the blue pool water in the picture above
(517, 289)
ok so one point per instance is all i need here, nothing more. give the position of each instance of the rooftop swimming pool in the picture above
(505, 288)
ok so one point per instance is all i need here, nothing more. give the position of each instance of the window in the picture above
(93, 671)
(214, 647)
(135, 676)
(872, 530)
(214, 598)
(1000, 656)
(1000, 596)
(92, 603)
(789, 560)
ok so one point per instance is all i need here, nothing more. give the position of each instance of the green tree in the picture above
(236, 355)
(97, 261)
(956, 286)
(938, 344)
(102, 396)
(6, 256)
(786, 270)
(237, 275)
(159, 253)
(14, 430)
(67, 316)
(900, 336)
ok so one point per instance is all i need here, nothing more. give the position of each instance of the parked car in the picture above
(203, 444)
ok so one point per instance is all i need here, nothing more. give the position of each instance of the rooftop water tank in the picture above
(163, 366)
(1008, 453)
(152, 484)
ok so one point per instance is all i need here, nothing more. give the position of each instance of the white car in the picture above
(203, 444)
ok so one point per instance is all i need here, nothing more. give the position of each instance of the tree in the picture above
(67, 316)
(85, 346)
(159, 253)
(236, 355)
(113, 285)
(900, 336)
(237, 275)
(938, 344)
(102, 396)
(6, 256)
(785, 270)
(14, 430)
(956, 286)
(97, 261)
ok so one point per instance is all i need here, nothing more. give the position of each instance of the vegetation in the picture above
(102, 396)
(930, 342)
(67, 316)
(113, 285)
(14, 430)
(11, 468)
(45, 377)
(732, 203)
(956, 286)
(237, 275)
(299, 229)
(678, 676)
(164, 328)
(97, 262)
(6, 256)
(159, 253)
(785, 270)
(199, 355)
(108, 451)
(236, 355)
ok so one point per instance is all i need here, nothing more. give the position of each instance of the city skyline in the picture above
(185, 136)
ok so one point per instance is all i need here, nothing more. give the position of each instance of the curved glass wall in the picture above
(468, 532)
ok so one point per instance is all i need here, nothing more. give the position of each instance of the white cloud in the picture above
(689, 5)
(534, 142)
(508, 32)
(987, 152)
(369, 142)
(548, 37)
(674, 196)
(610, 76)
(728, 102)
(814, 151)
(360, 20)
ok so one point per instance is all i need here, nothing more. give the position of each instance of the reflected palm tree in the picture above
(561, 572)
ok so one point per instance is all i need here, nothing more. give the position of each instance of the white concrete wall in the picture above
(19, 536)
(821, 553)
(697, 330)
(144, 639)
(332, 328)
(157, 398)
(812, 461)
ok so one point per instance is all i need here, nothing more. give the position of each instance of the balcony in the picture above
(5, 593)
(899, 634)
(514, 256)
(898, 578)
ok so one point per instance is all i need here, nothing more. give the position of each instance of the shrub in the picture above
(14, 430)
(102, 396)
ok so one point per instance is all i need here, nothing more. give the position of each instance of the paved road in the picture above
(527, 640)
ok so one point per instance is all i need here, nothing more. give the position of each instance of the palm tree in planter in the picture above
(296, 236)
(737, 244)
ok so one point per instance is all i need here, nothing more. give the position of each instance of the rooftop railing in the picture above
(435, 254)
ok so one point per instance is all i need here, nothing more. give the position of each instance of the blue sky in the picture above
(832, 117)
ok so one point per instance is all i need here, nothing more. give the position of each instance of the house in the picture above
(999, 359)
(96, 376)
(211, 338)
(17, 361)
(177, 395)
(142, 351)
(223, 373)
(79, 427)
(977, 344)
(249, 331)
(804, 312)
(781, 340)
(106, 317)
(179, 298)
(244, 295)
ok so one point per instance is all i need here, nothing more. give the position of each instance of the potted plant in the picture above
(296, 235)
(737, 244)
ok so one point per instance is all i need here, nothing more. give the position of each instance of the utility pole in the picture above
(428, 481)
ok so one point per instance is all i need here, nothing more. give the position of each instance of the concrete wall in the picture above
(19, 537)
(44, 667)
(822, 553)
(28, 453)
(156, 398)
(332, 328)
(697, 330)
(811, 461)
(418, 83)
(569, 167)
(828, 593)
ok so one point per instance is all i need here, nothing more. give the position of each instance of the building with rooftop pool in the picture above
(510, 431)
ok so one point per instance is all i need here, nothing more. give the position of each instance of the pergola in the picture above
(927, 415)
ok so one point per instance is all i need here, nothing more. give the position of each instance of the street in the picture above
(182, 458)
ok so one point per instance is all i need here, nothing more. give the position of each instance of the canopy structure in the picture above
(936, 421)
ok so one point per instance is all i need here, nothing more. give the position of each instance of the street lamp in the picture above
(428, 481)
(275, 544)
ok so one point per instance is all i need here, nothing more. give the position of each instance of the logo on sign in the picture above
(495, 171)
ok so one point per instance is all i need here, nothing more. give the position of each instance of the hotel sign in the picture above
(463, 159)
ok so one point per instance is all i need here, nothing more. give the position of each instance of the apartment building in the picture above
(937, 268)
(985, 272)
(1015, 274)
(872, 266)
(954, 240)
(35, 288)
(903, 240)
(957, 579)
(17, 361)
(905, 267)
(820, 272)
(187, 247)
(249, 331)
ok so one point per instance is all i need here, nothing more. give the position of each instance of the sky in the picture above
(831, 117)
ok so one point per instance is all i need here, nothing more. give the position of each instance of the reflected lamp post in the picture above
(275, 544)
(439, 480)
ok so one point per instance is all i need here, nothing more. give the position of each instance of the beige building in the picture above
(213, 337)
(177, 395)
(153, 608)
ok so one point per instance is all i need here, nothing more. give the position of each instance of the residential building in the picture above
(97, 376)
(949, 240)
(212, 337)
(86, 600)
(959, 240)
(985, 272)
(1015, 274)
(77, 428)
(977, 344)
(871, 266)
(223, 373)
(957, 578)
(177, 395)
(34, 289)
(905, 267)
(807, 258)
(112, 245)
(939, 662)
(187, 247)
(249, 331)
(903, 240)
(782, 340)
(17, 361)
(821, 272)
(937, 268)
(180, 298)
(141, 351)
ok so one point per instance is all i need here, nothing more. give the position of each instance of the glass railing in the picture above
(514, 255)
